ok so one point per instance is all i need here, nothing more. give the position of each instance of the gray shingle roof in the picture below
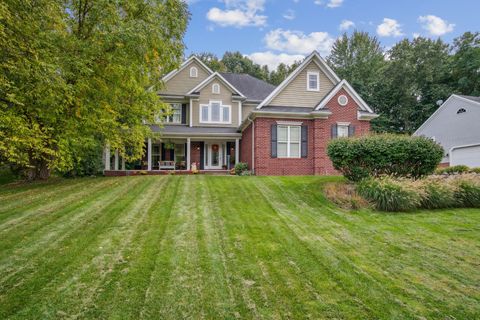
(253, 88)
(177, 129)
(476, 99)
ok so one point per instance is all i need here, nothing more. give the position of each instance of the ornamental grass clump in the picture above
(467, 192)
(436, 194)
(388, 194)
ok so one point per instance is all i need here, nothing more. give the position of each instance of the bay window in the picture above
(215, 112)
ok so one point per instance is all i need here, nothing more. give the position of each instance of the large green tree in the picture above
(359, 58)
(80, 73)
(415, 80)
(466, 64)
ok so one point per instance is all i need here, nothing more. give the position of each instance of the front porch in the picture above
(180, 155)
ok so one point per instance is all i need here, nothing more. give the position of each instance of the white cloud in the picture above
(416, 35)
(289, 14)
(389, 28)
(299, 43)
(436, 26)
(330, 3)
(272, 60)
(239, 13)
(346, 24)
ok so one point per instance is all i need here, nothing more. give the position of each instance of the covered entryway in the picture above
(214, 156)
(465, 155)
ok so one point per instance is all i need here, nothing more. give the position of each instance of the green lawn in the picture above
(197, 247)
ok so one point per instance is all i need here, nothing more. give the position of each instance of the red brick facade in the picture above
(319, 134)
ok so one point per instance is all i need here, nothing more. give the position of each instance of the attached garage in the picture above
(466, 155)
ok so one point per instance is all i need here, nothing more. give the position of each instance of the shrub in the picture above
(437, 195)
(386, 154)
(475, 170)
(240, 168)
(388, 194)
(468, 193)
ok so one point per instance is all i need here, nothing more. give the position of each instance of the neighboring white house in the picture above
(456, 126)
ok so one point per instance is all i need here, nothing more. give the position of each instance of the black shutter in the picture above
(304, 148)
(172, 154)
(163, 151)
(185, 153)
(184, 113)
(274, 140)
(334, 131)
(202, 155)
(351, 131)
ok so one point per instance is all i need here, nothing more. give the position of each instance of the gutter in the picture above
(253, 143)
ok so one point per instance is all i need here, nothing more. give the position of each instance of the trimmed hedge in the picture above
(385, 154)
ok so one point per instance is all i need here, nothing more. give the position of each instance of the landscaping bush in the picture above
(386, 154)
(388, 194)
(475, 170)
(241, 168)
(345, 196)
(468, 193)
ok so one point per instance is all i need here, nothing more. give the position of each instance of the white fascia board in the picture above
(344, 84)
(172, 73)
(435, 114)
(329, 72)
(202, 84)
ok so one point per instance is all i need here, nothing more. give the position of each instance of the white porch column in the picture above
(107, 157)
(149, 155)
(189, 148)
(240, 113)
(116, 160)
(123, 164)
(237, 150)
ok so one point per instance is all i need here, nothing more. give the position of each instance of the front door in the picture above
(213, 156)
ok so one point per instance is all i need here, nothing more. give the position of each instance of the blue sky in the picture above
(273, 31)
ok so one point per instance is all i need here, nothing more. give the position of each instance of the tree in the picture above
(212, 61)
(415, 79)
(73, 72)
(235, 62)
(359, 59)
(466, 64)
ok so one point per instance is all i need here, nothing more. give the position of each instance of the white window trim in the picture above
(215, 85)
(338, 100)
(193, 72)
(209, 105)
(317, 74)
(170, 117)
(288, 141)
(344, 125)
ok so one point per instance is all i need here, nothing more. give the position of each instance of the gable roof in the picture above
(474, 101)
(185, 64)
(314, 56)
(202, 84)
(345, 85)
(254, 89)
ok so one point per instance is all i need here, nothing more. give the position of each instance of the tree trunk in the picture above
(38, 170)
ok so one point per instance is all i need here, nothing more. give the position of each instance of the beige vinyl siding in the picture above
(206, 96)
(295, 94)
(246, 109)
(181, 83)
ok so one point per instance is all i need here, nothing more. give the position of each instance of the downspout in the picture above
(253, 144)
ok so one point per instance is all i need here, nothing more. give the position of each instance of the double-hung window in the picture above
(288, 141)
(215, 112)
(175, 114)
(313, 81)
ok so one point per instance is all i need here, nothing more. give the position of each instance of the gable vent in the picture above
(461, 110)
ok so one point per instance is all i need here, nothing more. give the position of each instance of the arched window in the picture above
(193, 72)
(216, 88)
(461, 110)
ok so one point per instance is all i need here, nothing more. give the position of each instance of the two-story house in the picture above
(219, 119)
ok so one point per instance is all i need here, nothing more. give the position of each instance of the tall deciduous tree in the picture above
(359, 58)
(74, 73)
(415, 79)
(466, 64)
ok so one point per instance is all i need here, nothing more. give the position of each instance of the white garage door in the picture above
(469, 156)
